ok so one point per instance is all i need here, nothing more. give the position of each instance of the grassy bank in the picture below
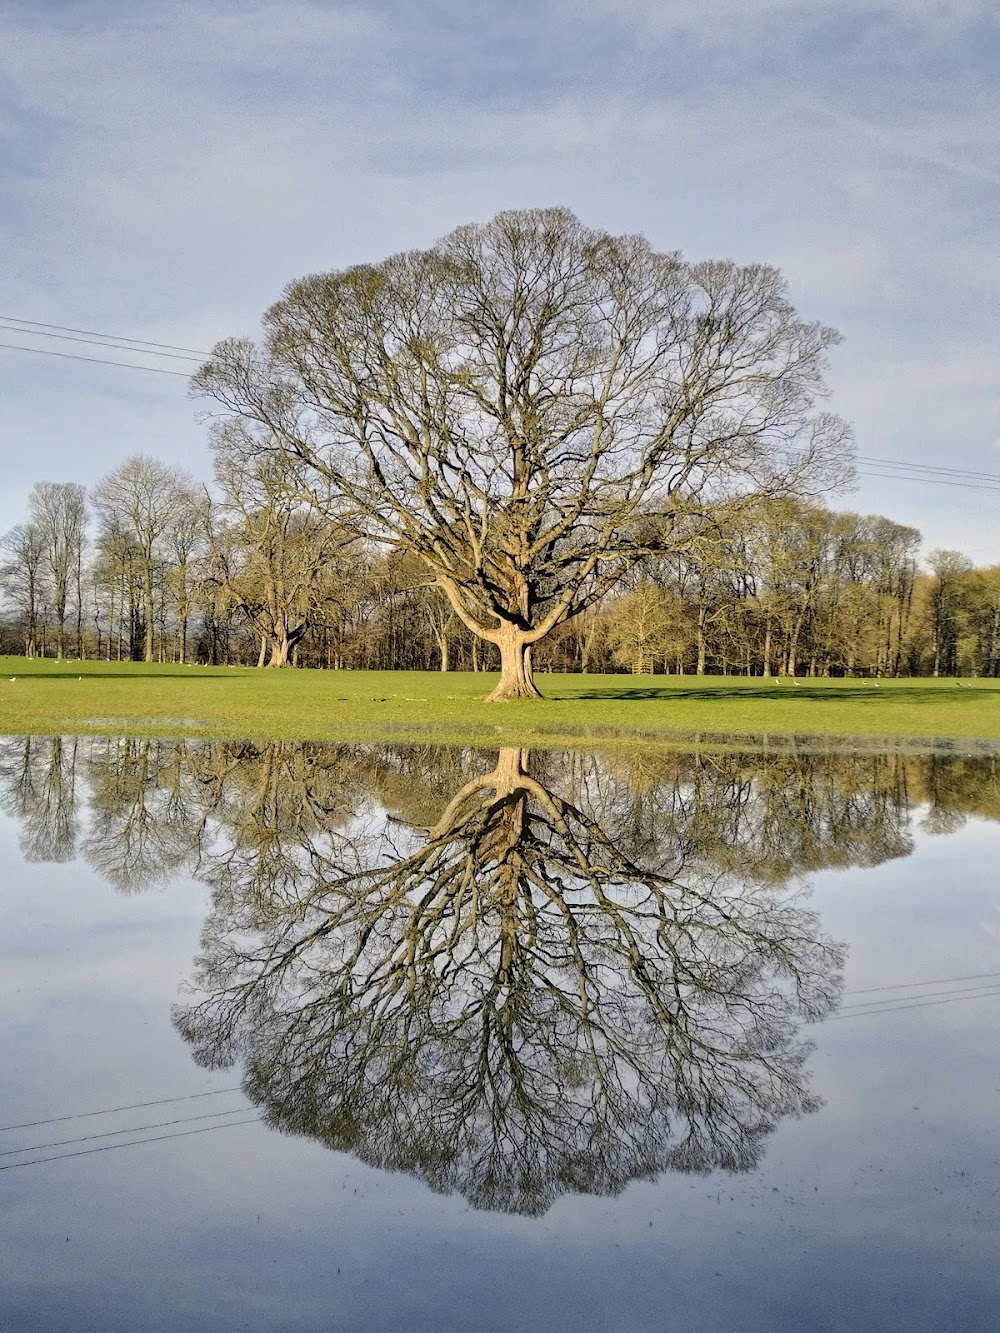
(219, 701)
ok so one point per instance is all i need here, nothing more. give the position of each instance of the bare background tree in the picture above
(59, 516)
(141, 500)
(784, 590)
(273, 550)
(21, 572)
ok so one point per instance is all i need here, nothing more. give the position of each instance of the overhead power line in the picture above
(919, 1003)
(223, 1117)
(113, 337)
(874, 467)
(899, 985)
(889, 1001)
(96, 360)
(145, 348)
(927, 467)
(916, 995)
(932, 481)
(97, 342)
(929, 481)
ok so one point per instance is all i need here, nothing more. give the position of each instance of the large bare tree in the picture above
(531, 403)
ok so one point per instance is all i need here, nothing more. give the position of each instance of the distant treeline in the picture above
(149, 566)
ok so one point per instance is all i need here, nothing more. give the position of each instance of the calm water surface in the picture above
(307, 1037)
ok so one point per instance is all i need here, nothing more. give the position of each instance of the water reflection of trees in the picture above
(157, 807)
(38, 788)
(513, 978)
(508, 1005)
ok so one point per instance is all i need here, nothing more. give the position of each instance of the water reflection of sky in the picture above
(877, 1212)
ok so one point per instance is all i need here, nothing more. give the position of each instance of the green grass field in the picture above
(101, 697)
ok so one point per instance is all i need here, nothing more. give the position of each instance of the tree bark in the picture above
(516, 677)
(280, 652)
(284, 644)
(702, 616)
(147, 599)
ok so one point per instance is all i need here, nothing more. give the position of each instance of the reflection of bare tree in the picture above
(272, 813)
(234, 814)
(773, 816)
(512, 1007)
(145, 821)
(38, 787)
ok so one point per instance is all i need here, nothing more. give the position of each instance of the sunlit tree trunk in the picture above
(516, 677)
(283, 645)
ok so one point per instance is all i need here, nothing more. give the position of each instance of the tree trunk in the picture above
(516, 680)
(147, 598)
(79, 606)
(284, 644)
(702, 616)
(280, 649)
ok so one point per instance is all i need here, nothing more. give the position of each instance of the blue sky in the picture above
(168, 167)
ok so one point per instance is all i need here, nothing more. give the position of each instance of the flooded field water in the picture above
(302, 1037)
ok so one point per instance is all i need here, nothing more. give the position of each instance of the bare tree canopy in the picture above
(59, 514)
(142, 499)
(530, 404)
(23, 553)
(272, 552)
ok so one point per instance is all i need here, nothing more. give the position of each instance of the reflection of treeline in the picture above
(512, 976)
(140, 809)
(153, 567)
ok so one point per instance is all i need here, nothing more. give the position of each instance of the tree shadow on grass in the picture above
(207, 673)
(827, 693)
